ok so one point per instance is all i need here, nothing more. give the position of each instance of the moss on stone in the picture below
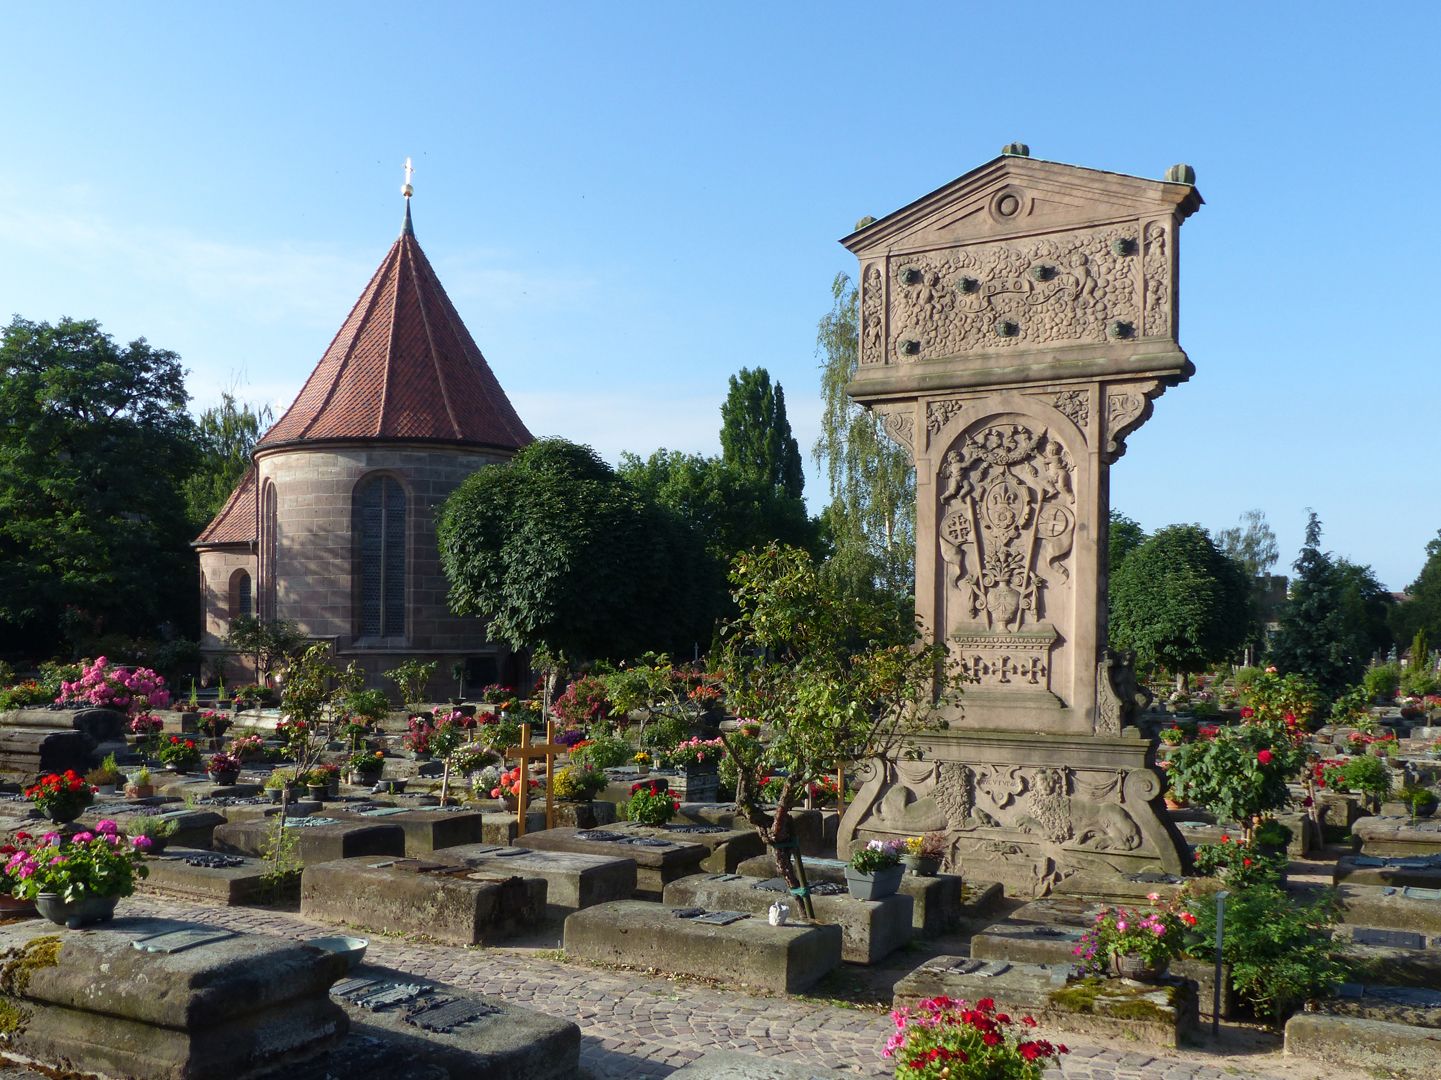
(1096, 996)
(19, 965)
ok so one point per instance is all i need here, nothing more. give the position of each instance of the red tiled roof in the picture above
(235, 524)
(402, 367)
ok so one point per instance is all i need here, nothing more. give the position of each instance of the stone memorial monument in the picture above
(1016, 326)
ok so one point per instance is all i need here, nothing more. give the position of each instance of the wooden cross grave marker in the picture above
(524, 754)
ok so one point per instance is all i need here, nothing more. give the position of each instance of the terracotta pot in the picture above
(140, 791)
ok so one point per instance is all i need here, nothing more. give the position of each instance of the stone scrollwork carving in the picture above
(1127, 407)
(900, 425)
(1007, 523)
(1012, 293)
(872, 317)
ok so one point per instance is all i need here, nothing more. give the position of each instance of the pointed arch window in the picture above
(242, 601)
(380, 519)
(269, 525)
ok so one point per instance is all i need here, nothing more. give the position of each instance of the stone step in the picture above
(870, 929)
(1399, 870)
(635, 933)
(1154, 1014)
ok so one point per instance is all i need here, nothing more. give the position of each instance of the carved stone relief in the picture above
(1127, 407)
(1157, 264)
(900, 425)
(1076, 405)
(1065, 819)
(939, 414)
(1073, 288)
(872, 317)
(1007, 523)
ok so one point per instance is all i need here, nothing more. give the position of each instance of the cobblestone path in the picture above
(636, 1026)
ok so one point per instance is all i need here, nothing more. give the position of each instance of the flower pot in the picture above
(139, 791)
(105, 789)
(509, 803)
(224, 779)
(274, 793)
(316, 791)
(876, 885)
(1424, 810)
(921, 865)
(83, 912)
(64, 813)
(332, 788)
(1138, 968)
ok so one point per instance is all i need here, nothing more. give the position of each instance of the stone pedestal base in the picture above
(1028, 810)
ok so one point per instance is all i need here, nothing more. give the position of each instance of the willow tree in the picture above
(871, 518)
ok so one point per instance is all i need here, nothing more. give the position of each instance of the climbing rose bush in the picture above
(943, 1039)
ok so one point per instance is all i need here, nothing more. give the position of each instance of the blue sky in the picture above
(628, 202)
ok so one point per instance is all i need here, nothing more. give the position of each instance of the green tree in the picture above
(94, 538)
(1422, 607)
(755, 435)
(1366, 607)
(559, 554)
(1179, 602)
(1253, 546)
(1124, 537)
(227, 434)
(267, 641)
(807, 663)
(1315, 639)
(870, 522)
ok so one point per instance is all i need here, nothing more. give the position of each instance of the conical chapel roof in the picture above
(403, 367)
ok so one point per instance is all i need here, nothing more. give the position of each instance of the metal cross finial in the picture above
(407, 189)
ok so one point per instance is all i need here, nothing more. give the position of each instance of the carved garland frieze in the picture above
(1076, 288)
(940, 413)
(1075, 405)
(1007, 522)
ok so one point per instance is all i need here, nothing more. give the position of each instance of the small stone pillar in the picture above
(1016, 325)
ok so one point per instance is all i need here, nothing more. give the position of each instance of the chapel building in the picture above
(333, 526)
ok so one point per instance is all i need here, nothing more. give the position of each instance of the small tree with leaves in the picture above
(268, 641)
(411, 677)
(808, 665)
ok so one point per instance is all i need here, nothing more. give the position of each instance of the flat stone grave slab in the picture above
(870, 929)
(639, 934)
(192, 828)
(1130, 889)
(814, 830)
(420, 1024)
(1047, 932)
(1391, 907)
(657, 861)
(732, 1065)
(938, 903)
(1419, 870)
(201, 787)
(426, 830)
(1376, 1028)
(573, 881)
(318, 838)
(212, 876)
(1397, 957)
(211, 1003)
(459, 905)
(1156, 1015)
(726, 846)
(1386, 836)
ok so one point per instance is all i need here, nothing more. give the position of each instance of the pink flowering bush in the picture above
(696, 753)
(943, 1039)
(1155, 935)
(98, 864)
(145, 724)
(109, 687)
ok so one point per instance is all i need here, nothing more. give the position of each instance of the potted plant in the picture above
(275, 785)
(10, 904)
(874, 871)
(696, 756)
(578, 783)
(366, 766)
(179, 753)
(317, 784)
(416, 739)
(924, 854)
(223, 769)
(651, 804)
(1134, 943)
(247, 748)
(942, 1037)
(1421, 801)
(150, 831)
(1367, 776)
(144, 731)
(330, 774)
(78, 881)
(507, 788)
(1240, 865)
(105, 777)
(140, 786)
(61, 797)
(212, 724)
